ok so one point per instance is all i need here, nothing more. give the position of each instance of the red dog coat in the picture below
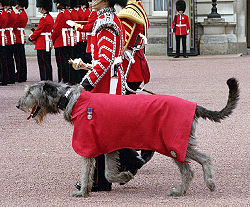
(104, 123)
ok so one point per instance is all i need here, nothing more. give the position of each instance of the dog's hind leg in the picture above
(112, 173)
(186, 177)
(205, 161)
(88, 167)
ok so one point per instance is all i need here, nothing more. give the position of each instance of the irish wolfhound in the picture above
(49, 97)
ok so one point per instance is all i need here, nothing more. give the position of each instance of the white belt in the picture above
(22, 34)
(181, 25)
(3, 36)
(114, 75)
(47, 40)
(72, 40)
(77, 36)
(64, 36)
(11, 35)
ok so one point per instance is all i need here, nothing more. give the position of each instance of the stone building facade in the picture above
(229, 34)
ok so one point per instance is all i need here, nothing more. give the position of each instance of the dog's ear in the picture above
(50, 89)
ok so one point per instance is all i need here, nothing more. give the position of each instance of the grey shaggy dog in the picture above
(44, 97)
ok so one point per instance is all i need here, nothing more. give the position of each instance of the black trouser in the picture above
(86, 58)
(178, 39)
(65, 71)
(21, 64)
(44, 63)
(3, 65)
(10, 63)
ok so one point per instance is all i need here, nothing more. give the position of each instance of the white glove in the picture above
(73, 24)
(78, 64)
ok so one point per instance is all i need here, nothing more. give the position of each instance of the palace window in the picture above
(160, 7)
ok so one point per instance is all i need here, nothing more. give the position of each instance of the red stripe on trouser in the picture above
(44, 68)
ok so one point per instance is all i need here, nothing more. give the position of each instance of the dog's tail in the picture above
(232, 101)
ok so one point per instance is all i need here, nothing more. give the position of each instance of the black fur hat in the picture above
(121, 3)
(181, 5)
(63, 2)
(73, 3)
(5, 2)
(45, 4)
(23, 3)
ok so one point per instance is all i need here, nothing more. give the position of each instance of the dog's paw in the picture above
(176, 192)
(78, 193)
(126, 176)
(210, 184)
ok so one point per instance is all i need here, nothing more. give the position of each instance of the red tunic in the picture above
(45, 25)
(9, 31)
(161, 123)
(182, 24)
(107, 43)
(21, 22)
(3, 23)
(139, 71)
(61, 34)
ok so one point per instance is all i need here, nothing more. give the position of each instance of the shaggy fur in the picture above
(43, 98)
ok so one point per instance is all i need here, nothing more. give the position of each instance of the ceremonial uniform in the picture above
(85, 33)
(107, 42)
(10, 41)
(19, 52)
(135, 21)
(3, 62)
(62, 44)
(43, 42)
(180, 26)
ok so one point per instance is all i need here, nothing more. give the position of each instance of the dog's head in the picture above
(40, 99)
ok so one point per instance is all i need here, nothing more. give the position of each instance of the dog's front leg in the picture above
(112, 173)
(88, 167)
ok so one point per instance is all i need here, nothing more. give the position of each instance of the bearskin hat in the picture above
(45, 4)
(73, 3)
(181, 5)
(23, 3)
(63, 2)
(121, 3)
(5, 2)
(81, 2)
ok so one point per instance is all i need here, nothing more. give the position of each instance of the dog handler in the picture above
(42, 38)
(106, 75)
(135, 22)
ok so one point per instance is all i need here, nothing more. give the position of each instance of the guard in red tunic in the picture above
(10, 40)
(73, 36)
(106, 75)
(87, 18)
(3, 63)
(19, 52)
(180, 27)
(42, 38)
(135, 22)
(62, 43)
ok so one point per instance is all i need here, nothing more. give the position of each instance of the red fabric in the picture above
(21, 22)
(3, 23)
(181, 20)
(106, 45)
(10, 24)
(60, 23)
(161, 123)
(45, 25)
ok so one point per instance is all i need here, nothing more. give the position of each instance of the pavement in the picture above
(38, 166)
